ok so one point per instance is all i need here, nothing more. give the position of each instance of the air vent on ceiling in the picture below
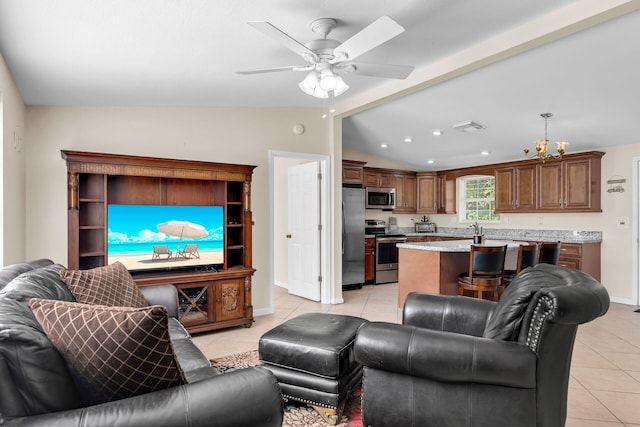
(468, 126)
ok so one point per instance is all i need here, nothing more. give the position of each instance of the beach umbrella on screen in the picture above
(182, 229)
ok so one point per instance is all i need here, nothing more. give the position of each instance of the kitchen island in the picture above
(434, 266)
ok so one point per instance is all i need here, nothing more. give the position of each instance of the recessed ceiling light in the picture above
(383, 145)
(484, 153)
(324, 116)
(408, 139)
(436, 132)
(333, 110)
(431, 161)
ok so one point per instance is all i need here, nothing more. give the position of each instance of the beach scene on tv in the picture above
(154, 236)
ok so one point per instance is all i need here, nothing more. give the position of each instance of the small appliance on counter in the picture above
(425, 226)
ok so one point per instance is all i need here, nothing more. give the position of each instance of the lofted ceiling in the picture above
(168, 52)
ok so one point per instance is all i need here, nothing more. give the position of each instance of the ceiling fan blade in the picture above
(388, 71)
(274, 70)
(283, 38)
(376, 33)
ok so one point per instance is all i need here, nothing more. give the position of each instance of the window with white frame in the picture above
(477, 199)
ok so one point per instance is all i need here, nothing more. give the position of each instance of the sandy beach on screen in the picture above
(133, 262)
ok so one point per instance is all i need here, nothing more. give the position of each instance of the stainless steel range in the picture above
(386, 253)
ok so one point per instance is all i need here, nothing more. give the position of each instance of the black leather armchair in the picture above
(459, 361)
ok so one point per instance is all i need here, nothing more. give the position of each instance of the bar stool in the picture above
(549, 253)
(527, 257)
(486, 270)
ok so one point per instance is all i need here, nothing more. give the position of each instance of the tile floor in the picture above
(604, 390)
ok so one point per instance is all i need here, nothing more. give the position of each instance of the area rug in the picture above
(296, 415)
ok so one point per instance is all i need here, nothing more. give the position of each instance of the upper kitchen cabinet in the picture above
(352, 172)
(380, 178)
(570, 184)
(405, 185)
(427, 192)
(515, 188)
(446, 193)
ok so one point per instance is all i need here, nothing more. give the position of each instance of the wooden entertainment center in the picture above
(207, 299)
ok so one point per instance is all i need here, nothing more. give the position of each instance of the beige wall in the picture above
(617, 243)
(217, 134)
(12, 181)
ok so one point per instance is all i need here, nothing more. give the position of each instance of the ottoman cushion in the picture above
(317, 343)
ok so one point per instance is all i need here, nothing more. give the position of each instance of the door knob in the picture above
(288, 236)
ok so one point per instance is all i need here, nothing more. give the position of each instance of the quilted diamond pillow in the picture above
(110, 285)
(112, 352)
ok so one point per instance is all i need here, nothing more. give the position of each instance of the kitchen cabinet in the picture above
(570, 184)
(427, 183)
(380, 178)
(581, 256)
(446, 194)
(405, 185)
(369, 259)
(515, 188)
(352, 172)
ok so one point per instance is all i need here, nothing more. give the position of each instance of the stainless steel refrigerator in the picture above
(353, 205)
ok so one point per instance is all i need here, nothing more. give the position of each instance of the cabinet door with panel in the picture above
(229, 299)
(515, 189)
(571, 184)
(378, 178)
(446, 194)
(352, 172)
(504, 189)
(427, 193)
(369, 259)
(405, 185)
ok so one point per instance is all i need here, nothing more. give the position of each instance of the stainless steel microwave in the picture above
(380, 198)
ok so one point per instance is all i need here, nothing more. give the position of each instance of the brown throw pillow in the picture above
(110, 285)
(112, 352)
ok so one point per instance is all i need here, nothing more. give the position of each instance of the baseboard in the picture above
(624, 301)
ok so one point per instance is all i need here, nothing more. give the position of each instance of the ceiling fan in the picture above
(325, 58)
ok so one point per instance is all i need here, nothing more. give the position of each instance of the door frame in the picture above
(325, 218)
(635, 231)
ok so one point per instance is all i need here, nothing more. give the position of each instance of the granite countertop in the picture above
(566, 236)
(455, 245)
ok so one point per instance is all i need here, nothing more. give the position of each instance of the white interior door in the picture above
(304, 230)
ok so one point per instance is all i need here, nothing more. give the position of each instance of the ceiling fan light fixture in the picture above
(341, 86)
(311, 85)
(328, 80)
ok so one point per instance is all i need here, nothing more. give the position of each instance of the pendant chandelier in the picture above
(541, 145)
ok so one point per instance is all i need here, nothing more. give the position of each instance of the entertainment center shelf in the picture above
(207, 299)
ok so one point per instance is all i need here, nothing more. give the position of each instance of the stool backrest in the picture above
(549, 253)
(527, 256)
(487, 260)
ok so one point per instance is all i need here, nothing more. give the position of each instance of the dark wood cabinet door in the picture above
(550, 186)
(577, 190)
(525, 188)
(369, 260)
(504, 188)
(427, 193)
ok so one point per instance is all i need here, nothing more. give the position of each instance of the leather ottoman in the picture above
(312, 357)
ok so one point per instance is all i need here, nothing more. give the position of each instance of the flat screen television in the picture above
(153, 237)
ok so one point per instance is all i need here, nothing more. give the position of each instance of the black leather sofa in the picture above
(36, 388)
(459, 361)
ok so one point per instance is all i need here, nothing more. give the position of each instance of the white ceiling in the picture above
(169, 52)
